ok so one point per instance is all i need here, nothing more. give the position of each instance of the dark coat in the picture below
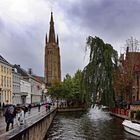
(9, 118)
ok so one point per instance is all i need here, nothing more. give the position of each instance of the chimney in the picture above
(30, 71)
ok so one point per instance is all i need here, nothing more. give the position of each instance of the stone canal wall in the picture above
(66, 109)
(34, 131)
(37, 127)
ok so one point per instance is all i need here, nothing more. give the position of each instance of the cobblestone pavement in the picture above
(28, 118)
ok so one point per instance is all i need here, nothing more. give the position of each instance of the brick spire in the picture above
(57, 40)
(51, 32)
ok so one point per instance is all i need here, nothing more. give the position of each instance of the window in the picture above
(1, 80)
(7, 70)
(7, 82)
(10, 82)
(1, 68)
(5, 96)
(4, 69)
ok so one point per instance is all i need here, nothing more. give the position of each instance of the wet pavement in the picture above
(29, 119)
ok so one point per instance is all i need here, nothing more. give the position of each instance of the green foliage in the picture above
(56, 90)
(69, 89)
(98, 74)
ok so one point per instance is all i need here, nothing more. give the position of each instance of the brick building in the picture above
(130, 76)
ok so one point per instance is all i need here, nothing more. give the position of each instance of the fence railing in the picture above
(120, 111)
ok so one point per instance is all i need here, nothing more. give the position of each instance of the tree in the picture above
(56, 91)
(77, 85)
(69, 89)
(98, 74)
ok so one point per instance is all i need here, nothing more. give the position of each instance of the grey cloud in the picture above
(23, 48)
(112, 19)
(2, 25)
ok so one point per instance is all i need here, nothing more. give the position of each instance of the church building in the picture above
(52, 57)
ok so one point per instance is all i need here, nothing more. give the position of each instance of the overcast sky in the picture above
(24, 24)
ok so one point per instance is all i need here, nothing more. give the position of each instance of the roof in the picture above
(21, 70)
(4, 61)
(24, 73)
(39, 78)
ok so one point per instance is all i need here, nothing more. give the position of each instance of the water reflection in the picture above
(91, 125)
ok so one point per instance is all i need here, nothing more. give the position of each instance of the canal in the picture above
(91, 125)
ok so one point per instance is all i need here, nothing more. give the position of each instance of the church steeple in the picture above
(57, 40)
(46, 39)
(51, 32)
(52, 66)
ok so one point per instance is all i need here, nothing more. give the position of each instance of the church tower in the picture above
(52, 57)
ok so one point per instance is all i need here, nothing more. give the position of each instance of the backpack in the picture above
(11, 109)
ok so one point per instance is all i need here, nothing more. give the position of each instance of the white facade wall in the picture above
(36, 91)
(25, 89)
(16, 88)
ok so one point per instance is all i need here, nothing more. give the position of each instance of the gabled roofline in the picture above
(4, 61)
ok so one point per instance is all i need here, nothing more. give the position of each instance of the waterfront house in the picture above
(5, 81)
(128, 88)
(35, 93)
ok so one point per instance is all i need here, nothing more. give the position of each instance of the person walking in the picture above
(29, 108)
(39, 105)
(49, 106)
(9, 116)
(46, 106)
(25, 108)
(21, 117)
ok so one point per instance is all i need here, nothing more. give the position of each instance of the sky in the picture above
(24, 24)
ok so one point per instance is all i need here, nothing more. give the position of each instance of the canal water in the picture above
(94, 124)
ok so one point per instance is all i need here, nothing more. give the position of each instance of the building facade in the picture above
(129, 77)
(30, 87)
(52, 69)
(25, 91)
(5, 81)
(36, 91)
(132, 67)
(42, 88)
(136, 86)
(16, 87)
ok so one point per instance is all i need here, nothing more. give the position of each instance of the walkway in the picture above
(29, 119)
